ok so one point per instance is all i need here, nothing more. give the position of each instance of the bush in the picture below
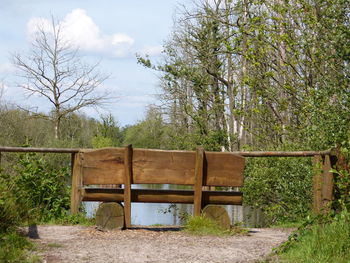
(45, 188)
(13, 206)
(281, 187)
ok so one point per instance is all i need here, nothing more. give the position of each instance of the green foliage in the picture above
(200, 225)
(15, 248)
(14, 209)
(100, 142)
(149, 133)
(76, 219)
(320, 242)
(281, 187)
(45, 188)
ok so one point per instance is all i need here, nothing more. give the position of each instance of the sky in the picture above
(107, 31)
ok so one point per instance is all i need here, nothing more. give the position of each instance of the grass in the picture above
(16, 248)
(321, 243)
(54, 245)
(76, 219)
(199, 225)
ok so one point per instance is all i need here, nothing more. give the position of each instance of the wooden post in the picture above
(317, 183)
(198, 172)
(77, 180)
(322, 184)
(327, 184)
(127, 184)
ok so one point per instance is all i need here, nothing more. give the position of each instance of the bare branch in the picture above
(54, 70)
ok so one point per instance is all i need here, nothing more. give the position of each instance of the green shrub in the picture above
(14, 208)
(45, 188)
(281, 187)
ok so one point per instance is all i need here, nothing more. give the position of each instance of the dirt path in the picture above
(85, 244)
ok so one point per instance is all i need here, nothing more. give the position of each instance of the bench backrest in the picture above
(106, 166)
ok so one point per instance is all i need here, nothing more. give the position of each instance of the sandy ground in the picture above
(86, 244)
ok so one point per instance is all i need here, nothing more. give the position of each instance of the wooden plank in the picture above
(327, 184)
(76, 195)
(177, 167)
(224, 169)
(103, 166)
(198, 175)
(163, 167)
(317, 183)
(106, 166)
(128, 155)
(162, 196)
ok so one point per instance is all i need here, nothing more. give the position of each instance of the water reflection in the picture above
(173, 214)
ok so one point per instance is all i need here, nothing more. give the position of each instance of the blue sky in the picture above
(110, 31)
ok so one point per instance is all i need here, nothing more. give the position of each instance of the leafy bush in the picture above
(13, 206)
(45, 188)
(281, 187)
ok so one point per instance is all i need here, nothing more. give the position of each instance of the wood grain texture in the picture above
(162, 196)
(103, 166)
(327, 184)
(218, 214)
(177, 167)
(317, 163)
(110, 216)
(128, 172)
(106, 166)
(77, 178)
(198, 176)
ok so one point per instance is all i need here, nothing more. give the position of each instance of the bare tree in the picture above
(54, 70)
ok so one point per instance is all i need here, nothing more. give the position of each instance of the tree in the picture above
(54, 70)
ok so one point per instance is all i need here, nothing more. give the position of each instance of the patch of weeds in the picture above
(76, 219)
(16, 248)
(54, 245)
(200, 225)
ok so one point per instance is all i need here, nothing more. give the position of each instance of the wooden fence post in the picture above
(323, 184)
(77, 177)
(198, 181)
(127, 184)
(327, 184)
(317, 183)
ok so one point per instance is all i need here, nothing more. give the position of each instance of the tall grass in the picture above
(322, 243)
(16, 248)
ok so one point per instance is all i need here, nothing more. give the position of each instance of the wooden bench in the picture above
(127, 166)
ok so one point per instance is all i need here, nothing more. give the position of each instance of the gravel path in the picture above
(86, 244)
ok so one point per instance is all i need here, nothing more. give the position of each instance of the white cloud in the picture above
(81, 30)
(6, 68)
(151, 50)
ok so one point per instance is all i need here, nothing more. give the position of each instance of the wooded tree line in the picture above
(257, 74)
